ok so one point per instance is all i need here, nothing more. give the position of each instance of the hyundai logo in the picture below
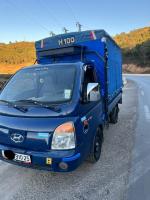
(16, 137)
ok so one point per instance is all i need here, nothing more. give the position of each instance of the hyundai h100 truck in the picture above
(52, 114)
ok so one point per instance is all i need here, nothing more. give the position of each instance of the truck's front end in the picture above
(38, 117)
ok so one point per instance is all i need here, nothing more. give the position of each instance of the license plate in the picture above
(22, 158)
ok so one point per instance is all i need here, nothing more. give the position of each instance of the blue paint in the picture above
(72, 158)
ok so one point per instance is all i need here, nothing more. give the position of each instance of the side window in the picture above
(89, 75)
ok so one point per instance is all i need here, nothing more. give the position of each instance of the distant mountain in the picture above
(135, 47)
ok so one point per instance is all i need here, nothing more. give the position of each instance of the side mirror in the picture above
(93, 92)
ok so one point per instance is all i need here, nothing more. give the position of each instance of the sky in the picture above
(30, 20)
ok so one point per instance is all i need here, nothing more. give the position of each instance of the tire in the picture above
(95, 153)
(113, 117)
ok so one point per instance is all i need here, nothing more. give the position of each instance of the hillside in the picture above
(133, 38)
(135, 47)
(15, 55)
(136, 50)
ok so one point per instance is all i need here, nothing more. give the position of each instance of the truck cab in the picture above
(52, 114)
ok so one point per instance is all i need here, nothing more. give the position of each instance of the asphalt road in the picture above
(139, 181)
(122, 172)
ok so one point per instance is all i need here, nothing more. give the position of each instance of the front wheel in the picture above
(96, 146)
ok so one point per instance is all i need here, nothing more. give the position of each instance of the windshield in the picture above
(51, 84)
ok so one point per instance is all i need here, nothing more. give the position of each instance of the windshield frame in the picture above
(44, 102)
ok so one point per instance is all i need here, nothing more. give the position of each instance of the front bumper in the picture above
(71, 158)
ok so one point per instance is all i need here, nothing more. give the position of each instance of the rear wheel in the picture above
(113, 117)
(97, 146)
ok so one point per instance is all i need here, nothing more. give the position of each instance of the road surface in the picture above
(123, 172)
(139, 181)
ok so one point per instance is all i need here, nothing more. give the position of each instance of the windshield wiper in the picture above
(50, 107)
(22, 109)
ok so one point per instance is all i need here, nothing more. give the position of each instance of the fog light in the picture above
(63, 165)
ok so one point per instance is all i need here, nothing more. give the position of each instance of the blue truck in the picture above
(53, 113)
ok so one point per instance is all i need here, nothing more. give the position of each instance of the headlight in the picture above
(64, 137)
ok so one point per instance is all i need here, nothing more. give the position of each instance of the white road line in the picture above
(142, 92)
(147, 112)
(136, 74)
